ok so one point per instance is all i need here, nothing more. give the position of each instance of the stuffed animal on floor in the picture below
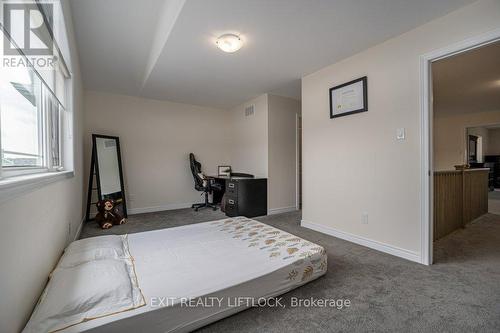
(109, 214)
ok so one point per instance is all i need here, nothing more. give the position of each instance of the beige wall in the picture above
(493, 141)
(38, 225)
(249, 138)
(156, 138)
(282, 152)
(450, 140)
(264, 144)
(354, 164)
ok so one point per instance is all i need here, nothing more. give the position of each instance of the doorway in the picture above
(430, 165)
(484, 152)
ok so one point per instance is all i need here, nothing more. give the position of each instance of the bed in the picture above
(186, 277)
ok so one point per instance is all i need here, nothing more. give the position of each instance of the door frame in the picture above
(298, 159)
(426, 113)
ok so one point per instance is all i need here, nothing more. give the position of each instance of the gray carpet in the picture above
(459, 293)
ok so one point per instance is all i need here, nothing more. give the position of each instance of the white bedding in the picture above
(226, 259)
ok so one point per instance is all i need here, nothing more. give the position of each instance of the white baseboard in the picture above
(273, 211)
(376, 245)
(133, 211)
(79, 230)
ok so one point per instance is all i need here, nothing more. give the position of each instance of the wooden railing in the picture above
(459, 198)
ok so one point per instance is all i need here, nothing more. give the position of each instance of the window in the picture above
(21, 118)
(32, 114)
(53, 110)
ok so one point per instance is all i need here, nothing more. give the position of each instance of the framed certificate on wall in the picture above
(349, 98)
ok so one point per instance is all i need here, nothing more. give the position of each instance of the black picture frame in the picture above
(222, 167)
(94, 171)
(364, 79)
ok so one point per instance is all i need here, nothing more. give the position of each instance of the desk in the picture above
(242, 196)
(221, 180)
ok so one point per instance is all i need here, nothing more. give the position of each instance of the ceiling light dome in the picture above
(229, 43)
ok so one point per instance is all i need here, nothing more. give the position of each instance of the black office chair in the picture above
(202, 184)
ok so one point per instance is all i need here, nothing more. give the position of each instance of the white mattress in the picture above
(226, 259)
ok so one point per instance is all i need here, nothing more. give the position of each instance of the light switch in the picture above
(400, 133)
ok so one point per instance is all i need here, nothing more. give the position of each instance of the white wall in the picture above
(450, 141)
(249, 138)
(354, 164)
(38, 225)
(264, 144)
(493, 142)
(156, 138)
(282, 152)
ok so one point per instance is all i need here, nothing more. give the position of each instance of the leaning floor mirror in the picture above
(106, 176)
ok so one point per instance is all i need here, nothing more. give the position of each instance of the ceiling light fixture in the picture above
(229, 43)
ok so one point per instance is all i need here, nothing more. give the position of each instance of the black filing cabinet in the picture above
(246, 197)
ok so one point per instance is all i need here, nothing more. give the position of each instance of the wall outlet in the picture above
(364, 218)
(131, 197)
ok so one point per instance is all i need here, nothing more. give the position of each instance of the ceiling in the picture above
(468, 82)
(165, 49)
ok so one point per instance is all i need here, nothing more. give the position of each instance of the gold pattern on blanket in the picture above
(318, 249)
(292, 275)
(293, 239)
(306, 254)
(274, 241)
(322, 266)
(308, 272)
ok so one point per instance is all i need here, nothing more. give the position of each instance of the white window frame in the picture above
(18, 180)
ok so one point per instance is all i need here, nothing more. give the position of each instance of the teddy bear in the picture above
(109, 214)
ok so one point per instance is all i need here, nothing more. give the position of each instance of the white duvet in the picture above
(227, 259)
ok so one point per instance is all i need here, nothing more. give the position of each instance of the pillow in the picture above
(96, 248)
(87, 291)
